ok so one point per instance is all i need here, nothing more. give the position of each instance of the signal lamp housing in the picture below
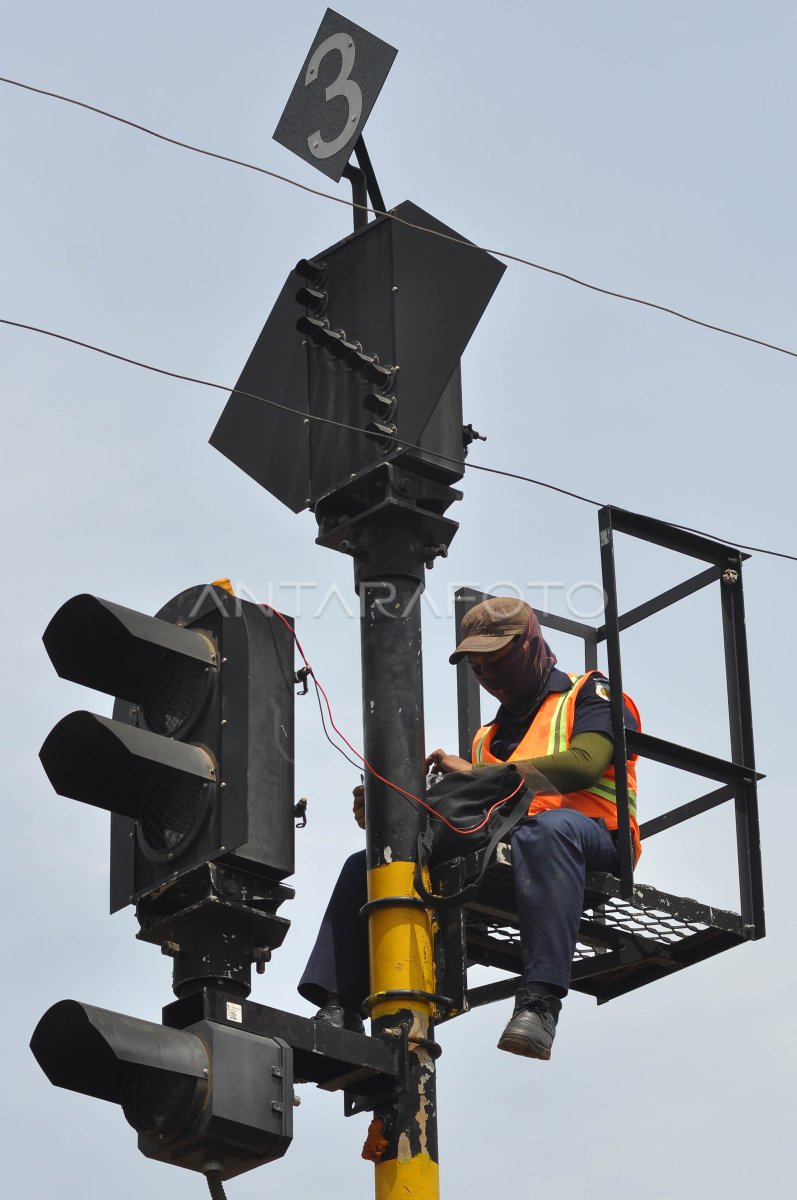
(196, 764)
(205, 1093)
(382, 406)
(312, 299)
(312, 270)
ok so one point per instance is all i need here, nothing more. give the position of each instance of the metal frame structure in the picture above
(630, 933)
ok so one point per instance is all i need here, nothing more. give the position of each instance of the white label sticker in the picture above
(235, 1012)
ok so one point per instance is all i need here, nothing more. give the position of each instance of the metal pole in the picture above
(359, 194)
(624, 844)
(389, 576)
(740, 713)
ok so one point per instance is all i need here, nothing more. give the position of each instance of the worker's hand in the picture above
(358, 807)
(441, 763)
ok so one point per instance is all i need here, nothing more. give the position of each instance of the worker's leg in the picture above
(338, 962)
(551, 854)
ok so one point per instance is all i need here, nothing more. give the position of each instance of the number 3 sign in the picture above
(334, 94)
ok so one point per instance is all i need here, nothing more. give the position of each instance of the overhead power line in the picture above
(515, 258)
(306, 417)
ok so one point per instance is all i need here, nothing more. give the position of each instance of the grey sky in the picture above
(647, 148)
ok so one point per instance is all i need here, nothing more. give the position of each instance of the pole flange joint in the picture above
(390, 901)
(444, 1003)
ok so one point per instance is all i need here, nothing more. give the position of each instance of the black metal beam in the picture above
(672, 754)
(468, 698)
(684, 811)
(335, 1059)
(359, 194)
(671, 537)
(565, 625)
(619, 959)
(616, 702)
(366, 166)
(489, 992)
(740, 716)
(663, 600)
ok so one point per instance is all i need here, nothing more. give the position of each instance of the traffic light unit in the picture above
(196, 764)
(196, 770)
(209, 1097)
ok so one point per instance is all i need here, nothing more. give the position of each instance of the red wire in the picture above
(372, 770)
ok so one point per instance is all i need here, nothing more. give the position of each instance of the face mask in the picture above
(518, 679)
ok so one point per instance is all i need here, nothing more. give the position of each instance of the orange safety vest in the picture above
(550, 733)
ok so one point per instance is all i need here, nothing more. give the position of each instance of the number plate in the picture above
(334, 94)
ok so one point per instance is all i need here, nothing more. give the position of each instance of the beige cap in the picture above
(491, 625)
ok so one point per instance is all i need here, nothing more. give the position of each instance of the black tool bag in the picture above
(464, 799)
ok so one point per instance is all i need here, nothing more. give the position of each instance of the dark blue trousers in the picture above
(551, 854)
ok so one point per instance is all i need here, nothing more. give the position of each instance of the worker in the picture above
(548, 722)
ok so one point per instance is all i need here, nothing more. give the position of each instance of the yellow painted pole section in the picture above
(401, 950)
(417, 1178)
(402, 958)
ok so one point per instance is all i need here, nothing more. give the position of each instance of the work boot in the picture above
(532, 1026)
(340, 1014)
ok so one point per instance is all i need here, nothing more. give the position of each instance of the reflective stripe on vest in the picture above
(476, 755)
(557, 736)
(605, 788)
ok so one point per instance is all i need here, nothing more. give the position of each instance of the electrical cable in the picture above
(525, 262)
(443, 458)
(372, 770)
(333, 744)
(311, 674)
(215, 1185)
(409, 795)
(309, 669)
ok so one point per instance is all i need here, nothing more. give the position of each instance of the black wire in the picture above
(525, 262)
(444, 458)
(416, 807)
(163, 137)
(352, 762)
(215, 1185)
(335, 746)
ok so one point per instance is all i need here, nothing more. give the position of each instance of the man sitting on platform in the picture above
(548, 722)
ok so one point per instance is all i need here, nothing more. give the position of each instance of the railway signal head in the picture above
(374, 324)
(209, 1095)
(196, 763)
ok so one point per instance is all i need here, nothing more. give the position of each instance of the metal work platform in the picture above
(630, 934)
(623, 943)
